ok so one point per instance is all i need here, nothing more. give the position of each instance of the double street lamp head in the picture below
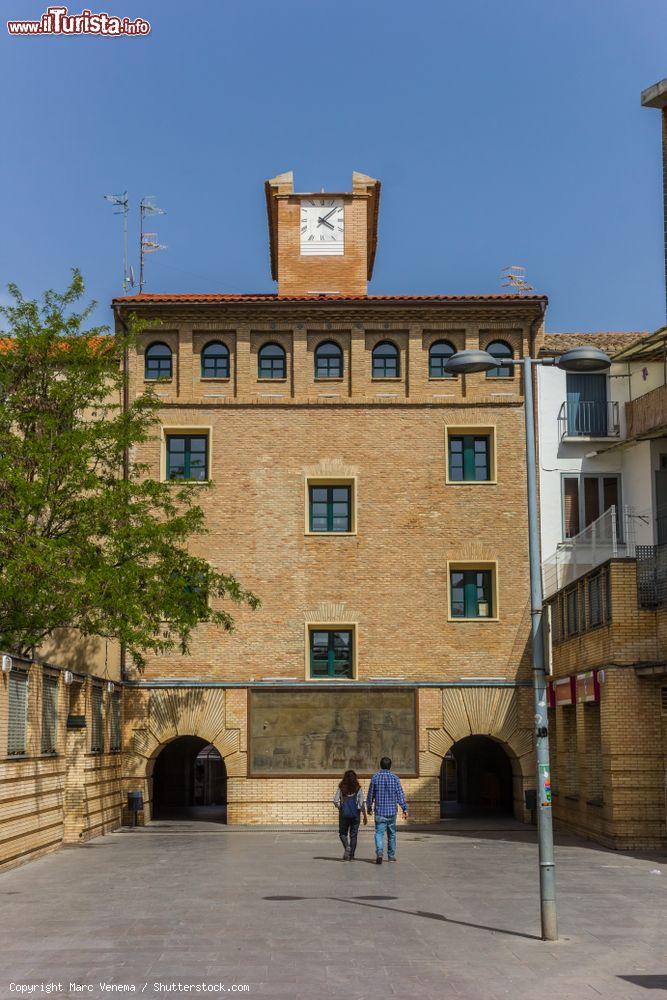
(578, 359)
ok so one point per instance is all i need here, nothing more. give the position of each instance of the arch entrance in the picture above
(189, 781)
(476, 779)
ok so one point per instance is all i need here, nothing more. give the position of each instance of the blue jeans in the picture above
(388, 824)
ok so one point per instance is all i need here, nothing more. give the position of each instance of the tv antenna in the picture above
(122, 203)
(515, 278)
(147, 241)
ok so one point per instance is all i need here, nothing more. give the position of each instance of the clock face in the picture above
(322, 226)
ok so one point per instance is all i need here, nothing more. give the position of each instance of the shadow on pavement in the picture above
(365, 861)
(648, 982)
(365, 901)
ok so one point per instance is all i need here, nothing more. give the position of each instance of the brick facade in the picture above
(610, 757)
(388, 578)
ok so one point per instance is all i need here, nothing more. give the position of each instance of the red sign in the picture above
(564, 691)
(588, 688)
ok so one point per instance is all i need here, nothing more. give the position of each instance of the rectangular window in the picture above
(187, 457)
(585, 498)
(49, 713)
(555, 621)
(469, 458)
(471, 593)
(17, 729)
(330, 508)
(572, 603)
(96, 719)
(115, 722)
(595, 600)
(331, 653)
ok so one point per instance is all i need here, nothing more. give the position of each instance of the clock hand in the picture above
(323, 222)
(329, 214)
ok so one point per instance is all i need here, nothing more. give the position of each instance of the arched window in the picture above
(157, 361)
(272, 363)
(438, 356)
(386, 362)
(328, 360)
(215, 360)
(500, 350)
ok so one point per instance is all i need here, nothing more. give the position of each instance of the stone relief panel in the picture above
(325, 731)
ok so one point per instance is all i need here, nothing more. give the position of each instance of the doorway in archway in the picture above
(476, 779)
(190, 781)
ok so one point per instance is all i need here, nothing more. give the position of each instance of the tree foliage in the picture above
(88, 540)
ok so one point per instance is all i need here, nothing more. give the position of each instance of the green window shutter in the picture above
(468, 457)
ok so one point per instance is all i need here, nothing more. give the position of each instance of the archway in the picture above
(476, 779)
(190, 781)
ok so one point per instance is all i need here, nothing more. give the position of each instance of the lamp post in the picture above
(579, 359)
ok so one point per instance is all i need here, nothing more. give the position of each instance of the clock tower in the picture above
(322, 243)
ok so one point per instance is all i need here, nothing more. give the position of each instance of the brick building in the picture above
(603, 455)
(375, 504)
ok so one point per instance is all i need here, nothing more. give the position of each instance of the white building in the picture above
(602, 443)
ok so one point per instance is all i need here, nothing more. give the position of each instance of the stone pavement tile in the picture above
(460, 912)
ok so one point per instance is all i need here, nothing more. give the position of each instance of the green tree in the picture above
(88, 541)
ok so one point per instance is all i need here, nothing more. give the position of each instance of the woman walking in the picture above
(349, 800)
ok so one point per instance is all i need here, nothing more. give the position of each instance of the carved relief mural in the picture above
(327, 732)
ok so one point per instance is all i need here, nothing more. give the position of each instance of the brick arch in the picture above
(484, 711)
(172, 713)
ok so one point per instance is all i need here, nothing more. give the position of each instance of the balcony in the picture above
(652, 576)
(589, 420)
(611, 536)
(647, 414)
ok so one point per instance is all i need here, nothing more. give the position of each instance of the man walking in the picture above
(384, 795)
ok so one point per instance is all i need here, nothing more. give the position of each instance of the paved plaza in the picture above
(457, 916)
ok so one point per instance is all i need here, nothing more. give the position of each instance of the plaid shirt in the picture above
(385, 794)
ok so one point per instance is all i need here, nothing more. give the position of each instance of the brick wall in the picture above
(610, 756)
(71, 795)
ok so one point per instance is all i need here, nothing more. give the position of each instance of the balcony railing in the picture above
(609, 537)
(589, 419)
(647, 413)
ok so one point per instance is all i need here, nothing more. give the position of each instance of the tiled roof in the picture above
(610, 342)
(99, 340)
(148, 297)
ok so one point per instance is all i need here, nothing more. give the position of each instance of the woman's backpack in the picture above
(349, 807)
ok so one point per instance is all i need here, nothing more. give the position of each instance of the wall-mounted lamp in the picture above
(7, 663)
(68, 677)
(111, 687)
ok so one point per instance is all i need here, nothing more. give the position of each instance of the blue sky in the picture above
(502, 133)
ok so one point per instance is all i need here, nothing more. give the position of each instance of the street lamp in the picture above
(579, 359)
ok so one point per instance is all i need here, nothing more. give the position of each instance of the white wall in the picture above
(556, 458)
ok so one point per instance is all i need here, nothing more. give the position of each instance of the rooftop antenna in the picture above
(122, 203)
(514, 276)
(147, 241)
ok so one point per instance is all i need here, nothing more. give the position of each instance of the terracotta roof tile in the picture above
(147, 297)
(611, 342)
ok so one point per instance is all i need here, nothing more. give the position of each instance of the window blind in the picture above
(115, 721)
(49, 713)
(17, 734)
(571, 506)
(96, 728)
